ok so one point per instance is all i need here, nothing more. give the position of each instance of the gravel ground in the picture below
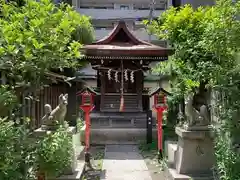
(156, 168)
(97, 153)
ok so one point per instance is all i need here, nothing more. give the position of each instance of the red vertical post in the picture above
(160, 106)
(160, 110)
(87, 109)
(87, 131)
(87, 106)
(159, 119)
(40, 176)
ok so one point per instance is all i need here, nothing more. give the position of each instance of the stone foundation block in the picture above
(116, 135)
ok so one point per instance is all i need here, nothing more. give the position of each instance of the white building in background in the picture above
(106, 13)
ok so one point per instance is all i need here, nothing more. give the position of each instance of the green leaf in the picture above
(38, 35)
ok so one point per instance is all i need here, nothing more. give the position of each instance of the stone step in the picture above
(123, 123)
(117, 109)
(118, 120)
(117, 114)
(118, 99)
(127, 103)
(116, 135)
(112, 105)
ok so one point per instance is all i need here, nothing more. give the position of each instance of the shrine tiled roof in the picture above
(124, 46)
(121, 42)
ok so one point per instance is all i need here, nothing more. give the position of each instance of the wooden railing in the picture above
(33, 103)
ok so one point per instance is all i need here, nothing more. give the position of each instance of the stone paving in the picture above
(124, 162)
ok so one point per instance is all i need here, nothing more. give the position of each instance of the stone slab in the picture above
(173, 175)
(187, 134)
(171, 152)
(197, 128)
(40, 132)
(124, 162)
(117, 135)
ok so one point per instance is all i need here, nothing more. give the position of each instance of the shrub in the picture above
(54, 153)
(16, 151)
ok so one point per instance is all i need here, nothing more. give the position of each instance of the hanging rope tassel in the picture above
(121, 108)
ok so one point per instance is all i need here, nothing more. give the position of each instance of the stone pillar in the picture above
(72, 105)
(194, 157)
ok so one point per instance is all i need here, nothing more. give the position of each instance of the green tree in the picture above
(40, 36)
(35, 38)
(206, 43)
(16, 151)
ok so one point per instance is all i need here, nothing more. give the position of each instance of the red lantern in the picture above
(159, 99)
(87, 100)
(87, 105)
(160, 106)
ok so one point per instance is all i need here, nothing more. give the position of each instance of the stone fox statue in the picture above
(195, 117)
(59, 113)
(56, 116)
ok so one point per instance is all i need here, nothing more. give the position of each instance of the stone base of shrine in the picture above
(116, 135)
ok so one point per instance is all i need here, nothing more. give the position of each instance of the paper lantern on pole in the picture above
(159, 99)
(159, 106)
(87, 105)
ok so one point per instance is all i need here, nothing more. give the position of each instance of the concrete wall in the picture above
(197, 3)
(105, 10)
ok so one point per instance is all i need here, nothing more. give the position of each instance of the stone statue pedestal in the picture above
(53, 127)
(76, 146)
(49, 127)
(194, 157)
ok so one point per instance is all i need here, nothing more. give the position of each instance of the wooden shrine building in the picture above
(120, 60)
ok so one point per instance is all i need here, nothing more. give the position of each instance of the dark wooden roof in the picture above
(122, 43)
(89, 89)
(158, 90)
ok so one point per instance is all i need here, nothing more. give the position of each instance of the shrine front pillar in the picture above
(102, 88)
(139, 86)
